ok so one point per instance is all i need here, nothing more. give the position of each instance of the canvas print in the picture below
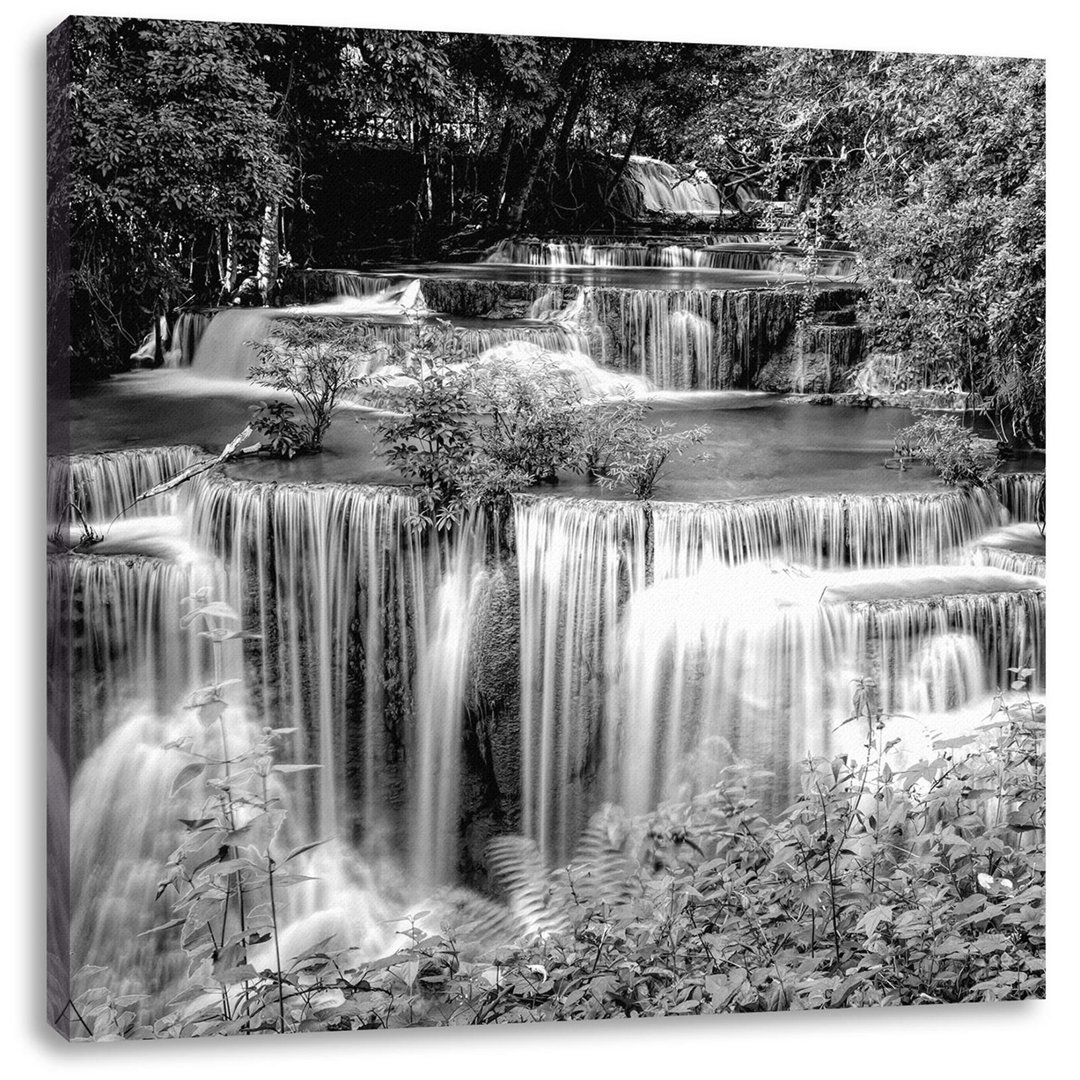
(539, 528)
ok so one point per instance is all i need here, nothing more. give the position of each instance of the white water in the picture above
(664, 190)
(637, 683)
(654, 643)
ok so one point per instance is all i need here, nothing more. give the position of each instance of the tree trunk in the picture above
(502, 171)
(534, 156)
(573, 71)
(613, 183)
(269, 251)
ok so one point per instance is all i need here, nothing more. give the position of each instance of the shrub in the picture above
(642, 454)
(876, 887)
(431, 438)
(606, 432)
(318, 362)
(955, 452)
(468, 435)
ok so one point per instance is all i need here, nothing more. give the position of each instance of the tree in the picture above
(174, 140)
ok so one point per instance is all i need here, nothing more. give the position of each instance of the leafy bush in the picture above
(606, 432)
(318, 362)
(534, 418)
(955, 452)
(431, 438)
(642, 454)
(876, 887)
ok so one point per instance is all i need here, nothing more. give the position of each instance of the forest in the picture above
(209, 157)
(539, 529)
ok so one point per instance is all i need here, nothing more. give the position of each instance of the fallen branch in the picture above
(231, 451)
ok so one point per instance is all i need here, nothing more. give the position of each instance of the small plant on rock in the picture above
(644, 455)
(954, 452)
(319, 362)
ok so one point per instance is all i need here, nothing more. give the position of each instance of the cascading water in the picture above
(103, 485)
(331, 577)
(601, 251)
(1022, 494)
(680, 339)
(819, 530)
(762, 655)
(186, 335)
(127, 648)
(752, 251)
(574, 567)
(442, 670)
(662, 189)
(765, 663)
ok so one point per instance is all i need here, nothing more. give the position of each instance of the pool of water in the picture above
(756, 445)
(614, 277)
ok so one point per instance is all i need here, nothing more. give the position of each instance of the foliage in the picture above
(533, 417)
(431, 437)
(607, 430)
(878, 886)
(317, 361)
(933, 169)
(955, 452)
(274, 419)
(468, 435)
(174, 135)
(642, 456)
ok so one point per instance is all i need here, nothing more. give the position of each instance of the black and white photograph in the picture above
(540, 527)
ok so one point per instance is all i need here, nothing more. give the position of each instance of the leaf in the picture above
(195, 823)
(186, 775)
(164, 926)
(240, 973)
(874, 918)
(296, 851)
(211, 712)
(814, 895)
(294, 768)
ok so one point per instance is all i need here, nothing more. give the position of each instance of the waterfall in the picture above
(187, 333)
(331, 578)
(122, 633)
(819, 530)
(1008, 626)
(660, 188)
(227, 347)
(680, 339)
(601, 251)
(352, 283)
(778, 257)
(574, 565)
(441, 685)
(582, 564)
(104, 484)
(1022, 494)
(731, 657)
(1016, 562)
(750, 660)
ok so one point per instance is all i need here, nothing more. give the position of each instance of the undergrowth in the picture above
(875, 887)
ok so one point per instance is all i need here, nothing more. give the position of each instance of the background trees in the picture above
(202, 154)
(176, 146)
